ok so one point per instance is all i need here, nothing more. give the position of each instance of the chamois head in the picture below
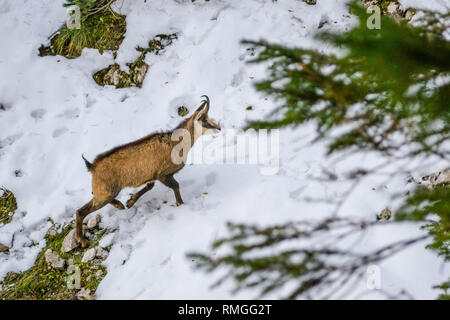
(201, 122)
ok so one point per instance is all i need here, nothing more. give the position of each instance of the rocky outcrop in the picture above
(391, 8)
(114, 76)
(62, 269)
(437, 178)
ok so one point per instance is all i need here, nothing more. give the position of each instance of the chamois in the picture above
(140, 162)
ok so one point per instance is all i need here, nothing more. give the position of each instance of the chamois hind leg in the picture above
(140, 193)
(117, 204)
(88, 208)
(170, 182)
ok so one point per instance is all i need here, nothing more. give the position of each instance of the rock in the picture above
(114, 76)
(69, 243)
(139, 72)
(98, 273)
(6, 238)
(93, 221)
(84, 294)
(53, 230)
(385, 214)
(435, 179)
(3, 248)
(395, 9)
(409, 14)
(53, 260)
(100, 253)
(71, 269)
(310, 2)
(89, 255)
(441, 177)
(107, 240)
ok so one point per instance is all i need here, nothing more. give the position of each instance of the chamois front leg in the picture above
(170, 182)
(81, 214)
(140, 193)
(117, 204)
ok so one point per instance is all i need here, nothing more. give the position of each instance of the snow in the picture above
(56, 112)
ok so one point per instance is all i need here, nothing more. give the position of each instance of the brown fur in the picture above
(134, 164)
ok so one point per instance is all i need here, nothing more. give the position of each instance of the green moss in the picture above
(103, 31)
(43, 282)
(157, 44)
(182, 111)
(8, 205)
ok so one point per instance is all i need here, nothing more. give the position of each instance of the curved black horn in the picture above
(207, 103)
(199, 109)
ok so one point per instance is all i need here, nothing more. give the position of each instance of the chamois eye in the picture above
(207, 125)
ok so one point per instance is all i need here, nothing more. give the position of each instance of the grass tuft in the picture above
(103, 31)
(8, 205)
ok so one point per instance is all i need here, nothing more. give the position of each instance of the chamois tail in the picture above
(87, 163)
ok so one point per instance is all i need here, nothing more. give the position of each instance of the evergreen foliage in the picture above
(387, 91)
(431, 201)
(315, 265)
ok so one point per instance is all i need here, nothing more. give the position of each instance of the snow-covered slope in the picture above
(55, 112)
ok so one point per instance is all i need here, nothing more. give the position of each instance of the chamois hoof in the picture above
(179, 203)
(117, 204)
(82, 241)
(130, 202)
